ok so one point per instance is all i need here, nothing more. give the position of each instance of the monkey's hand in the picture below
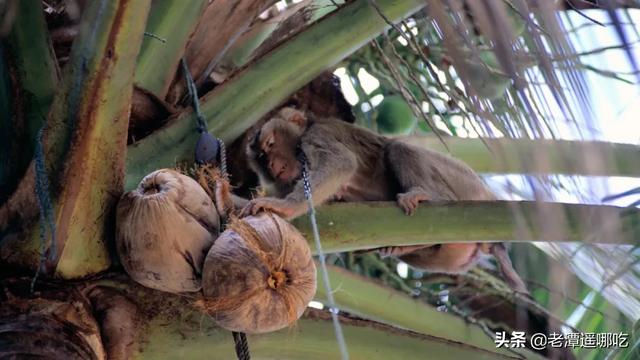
(409, 201)
(280, 207)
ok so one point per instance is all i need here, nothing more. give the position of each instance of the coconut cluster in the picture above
(259, 275)
(164, 229)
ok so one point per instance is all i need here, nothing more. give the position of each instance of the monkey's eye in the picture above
(270, 142)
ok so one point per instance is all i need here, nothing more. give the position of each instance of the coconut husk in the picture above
(216, 186)
(259, 275)
(164, 229)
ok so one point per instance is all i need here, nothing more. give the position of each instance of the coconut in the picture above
(258, 276)
(164, 229)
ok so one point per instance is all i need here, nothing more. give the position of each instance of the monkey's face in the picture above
(273, 151)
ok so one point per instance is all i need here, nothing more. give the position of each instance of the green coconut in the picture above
(394, 116)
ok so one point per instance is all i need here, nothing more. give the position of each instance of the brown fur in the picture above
(349, 163)
(322, 97)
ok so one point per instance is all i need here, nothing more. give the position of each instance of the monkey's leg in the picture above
(399, 250)
(411, 174)
(511, 277)
(451, 258)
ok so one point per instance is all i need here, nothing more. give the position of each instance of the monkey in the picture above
(350, 163)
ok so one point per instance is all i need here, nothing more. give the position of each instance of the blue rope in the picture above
(193, 94)
(200, 119)
(44, 205)
(333, 309)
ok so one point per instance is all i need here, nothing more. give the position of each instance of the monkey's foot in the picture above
(409, 201)
(399, 250)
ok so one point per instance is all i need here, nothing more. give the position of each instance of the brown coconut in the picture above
(259, 275)
(164, 229)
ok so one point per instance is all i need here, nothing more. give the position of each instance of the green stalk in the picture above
(36, 66)
(355, 226)
(173, 21)
(84, 145)
(220, 25)
(173, 329)
(310, 338)
(523, 156)
(234, 106)
(364, 297)
(243, 50)
(103, 62)
(30, 59)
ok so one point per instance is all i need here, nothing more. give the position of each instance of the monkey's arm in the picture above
(239, 202)
(330, 165)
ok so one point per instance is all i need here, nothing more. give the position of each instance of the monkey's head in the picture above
(273, 150)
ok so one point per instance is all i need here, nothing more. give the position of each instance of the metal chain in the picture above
(333, 309)
(223, 159)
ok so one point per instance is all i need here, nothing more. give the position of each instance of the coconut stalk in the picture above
(518, 156)
(311, 338)
(174, 22)
(220, 25)
(173, 328)
(266, 34)
(364, 297)
(95, 168)
(235, 105)
(84, 146)
(32, 69)
(358, 226)
(262, 31)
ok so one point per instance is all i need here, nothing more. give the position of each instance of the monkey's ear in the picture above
(294, 116)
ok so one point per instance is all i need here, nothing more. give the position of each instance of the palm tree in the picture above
(93, 96)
